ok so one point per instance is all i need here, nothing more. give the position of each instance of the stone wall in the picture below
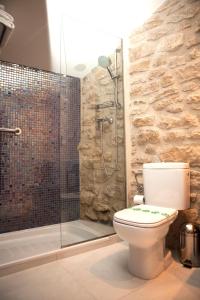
(102, 192)
(164, 106)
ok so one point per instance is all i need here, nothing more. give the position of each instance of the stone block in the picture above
(153, 22)
(189, 86)
(183, 25)
(87, 197)
(105, 81)
(193, 196)
(104, 217)
(165, 103)
(174, 136)
(88, 187)
(120, 178)
(155, 35)
(195, 180)
(143, 121)
(178, 5)
(194, 98)
(90, 214)
(138, 107)
(159, 60)
(150, 88)
(188, 72)
(192, 41)
(167, 80)
(194, 135)
(166, 5)
(119, 140)
(141, 51)
(87, 163)
(148, 136)
(188, 12)
(113, 191)
(187, 153)
(118, 206)
(141, 66)
(195, 107)
(136, 90)
(140, 159)
(171, 42)
(168, 93)
(108, 156)
(137, 37)
(175, 61)
(144, 89)
(133, 143)
(83, 146)
(100, 73)
(89, 133)
(101, 207)
(138, 78)
(187, 120)
(194, 53)
(156, 73)
(88, 121)
(175, 108)
(150, 150)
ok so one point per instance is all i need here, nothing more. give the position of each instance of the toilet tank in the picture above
(167, 184)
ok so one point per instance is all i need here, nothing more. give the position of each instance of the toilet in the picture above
(145, 226)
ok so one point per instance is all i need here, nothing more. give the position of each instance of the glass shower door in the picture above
(92, 134)
(29, 162)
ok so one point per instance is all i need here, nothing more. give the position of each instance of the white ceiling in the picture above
(91, 28)
(59, 35)
(117, 17)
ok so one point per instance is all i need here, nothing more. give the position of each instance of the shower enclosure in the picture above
(62, 156)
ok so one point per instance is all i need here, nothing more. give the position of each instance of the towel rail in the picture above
(16, 131)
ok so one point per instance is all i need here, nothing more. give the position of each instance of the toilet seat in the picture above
(145, 215)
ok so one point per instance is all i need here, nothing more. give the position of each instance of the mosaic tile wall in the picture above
(69, 155)
(33, 186)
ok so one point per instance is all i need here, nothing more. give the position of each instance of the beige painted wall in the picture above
(29, 43)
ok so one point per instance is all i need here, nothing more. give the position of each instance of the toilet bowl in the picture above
(145, 226)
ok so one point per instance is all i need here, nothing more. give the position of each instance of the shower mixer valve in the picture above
(103, 120)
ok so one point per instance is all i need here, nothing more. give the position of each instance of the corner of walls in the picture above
(128, 148)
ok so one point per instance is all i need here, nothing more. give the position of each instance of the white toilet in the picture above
(145, 226)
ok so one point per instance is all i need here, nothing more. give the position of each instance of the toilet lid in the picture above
(145, 215)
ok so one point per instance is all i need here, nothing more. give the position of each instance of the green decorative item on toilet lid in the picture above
(145, 214)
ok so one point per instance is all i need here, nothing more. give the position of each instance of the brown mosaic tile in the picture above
(34, 189)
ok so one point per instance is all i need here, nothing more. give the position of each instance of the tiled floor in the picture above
(25, 243)
(99, 274)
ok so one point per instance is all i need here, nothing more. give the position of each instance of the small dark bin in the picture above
(190, 245)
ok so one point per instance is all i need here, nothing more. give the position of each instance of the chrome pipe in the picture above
(16, 131)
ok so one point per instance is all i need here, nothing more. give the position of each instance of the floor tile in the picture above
(104, 271)
(100, 274)
(47, 282)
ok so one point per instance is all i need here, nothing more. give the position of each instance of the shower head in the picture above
(104, 61)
